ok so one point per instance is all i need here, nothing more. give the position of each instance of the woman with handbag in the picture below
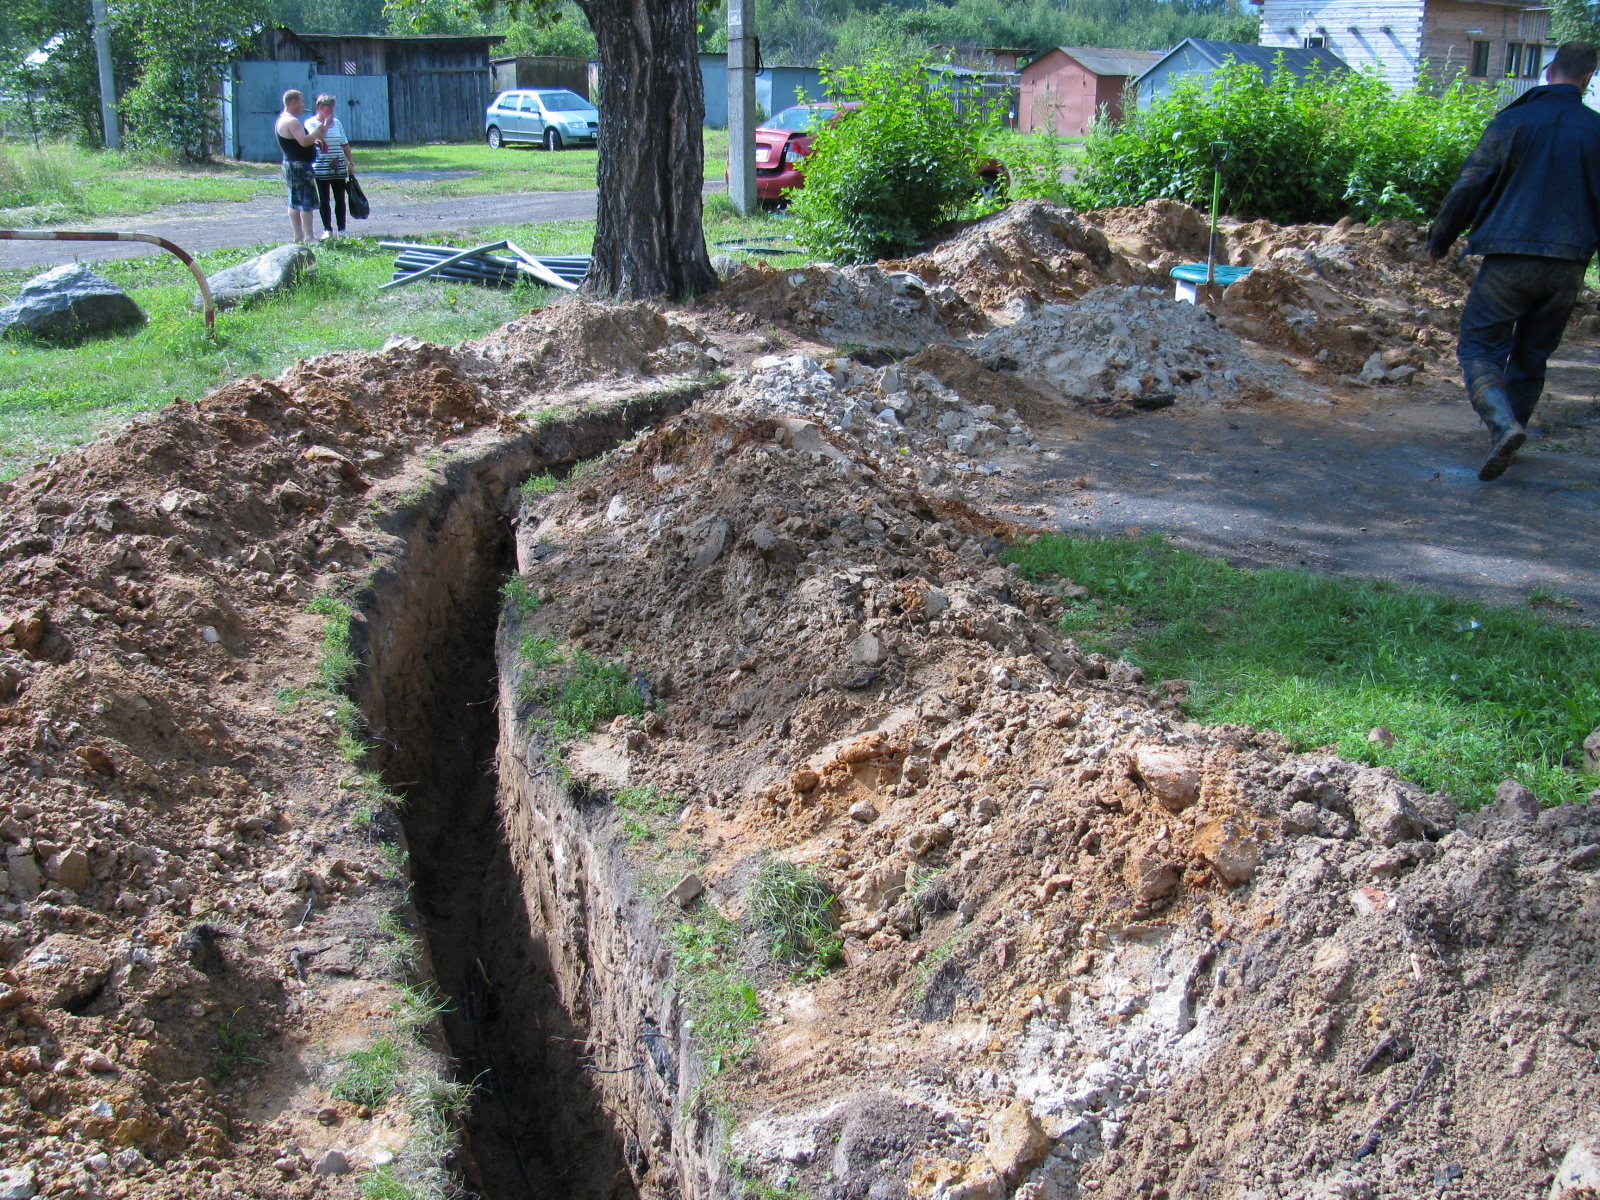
(333, 168)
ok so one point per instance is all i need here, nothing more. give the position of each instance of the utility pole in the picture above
(744, 52)
(108, 82)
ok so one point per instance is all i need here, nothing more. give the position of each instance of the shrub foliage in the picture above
(1299, 150)
(885, 175)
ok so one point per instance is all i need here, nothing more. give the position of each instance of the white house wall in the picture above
(1362, 32)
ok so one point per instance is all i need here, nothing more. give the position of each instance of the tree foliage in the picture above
(48, 77)
(1575, 21)
(883, 176)
(1312, 149)
(854, 31)
(183, 48)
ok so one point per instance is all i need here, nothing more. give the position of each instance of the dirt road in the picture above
(226, 224)
(1381, 483)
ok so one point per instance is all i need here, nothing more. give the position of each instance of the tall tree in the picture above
(648, 238)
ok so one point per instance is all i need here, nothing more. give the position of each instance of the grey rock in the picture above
(18, 1183)
(726, 266)
(67, 303)
(868, 650)
(1383, 807)
(277, 270)
(1515, 802)
(332, 1163)
(689, 887)
(1591, 753)
(26, 878)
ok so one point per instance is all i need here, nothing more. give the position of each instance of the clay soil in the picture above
(1088, 947)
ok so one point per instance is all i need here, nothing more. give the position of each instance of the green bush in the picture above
(1299, 150)
(1035, 165)
(885, 176)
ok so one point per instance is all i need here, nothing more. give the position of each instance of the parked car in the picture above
(556, 117)
(783, 141)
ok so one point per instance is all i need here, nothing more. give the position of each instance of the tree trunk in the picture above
(648, 238)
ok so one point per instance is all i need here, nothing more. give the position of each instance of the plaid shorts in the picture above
(302, 185)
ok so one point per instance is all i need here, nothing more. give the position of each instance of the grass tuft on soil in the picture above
(796, 912)
(369, 1076)
(1472, 693)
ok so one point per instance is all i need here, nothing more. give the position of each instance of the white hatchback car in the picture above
(554, 116)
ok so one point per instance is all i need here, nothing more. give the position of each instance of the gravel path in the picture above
(226, 224)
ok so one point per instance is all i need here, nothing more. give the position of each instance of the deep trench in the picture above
(544, 1121)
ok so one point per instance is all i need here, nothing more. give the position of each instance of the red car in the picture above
(785, 140)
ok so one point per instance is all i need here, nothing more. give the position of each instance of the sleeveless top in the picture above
(293, 151)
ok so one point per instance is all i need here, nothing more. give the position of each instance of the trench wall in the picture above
(558, 982)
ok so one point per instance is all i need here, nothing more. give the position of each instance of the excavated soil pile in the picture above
(1031, 252)
(1133, 347)
(1089, 948)
(1359, 300)
(1344, 293)
(165, 821)
(869, 307)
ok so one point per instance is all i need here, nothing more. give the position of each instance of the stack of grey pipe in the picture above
(480, 265)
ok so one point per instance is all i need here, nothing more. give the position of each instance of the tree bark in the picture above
(648, 237)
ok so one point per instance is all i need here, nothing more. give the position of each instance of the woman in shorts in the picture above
(333, 167)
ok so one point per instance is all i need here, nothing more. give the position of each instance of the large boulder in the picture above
(67, 303)
(275, 271)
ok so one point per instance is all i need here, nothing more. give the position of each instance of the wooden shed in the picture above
(541, 71)
(1063, 90)
(417, 88)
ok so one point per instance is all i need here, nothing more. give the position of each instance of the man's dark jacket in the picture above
(1532, 185)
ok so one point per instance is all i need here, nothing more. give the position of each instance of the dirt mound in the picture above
(1159, 233)
(1134, 346)
(869, 306)
(579, 341)
(171, 807)
(1030, 251)
(1344, 293)
(1088, 946)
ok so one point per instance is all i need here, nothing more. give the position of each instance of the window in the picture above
(1479, 67)
(1513, 59)
(799, 119)
(1316, 43)
(527, 103)
(1532, 60)
(564, 102)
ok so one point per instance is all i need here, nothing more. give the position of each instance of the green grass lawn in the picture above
(63, 183)
(510, 169)
(52, 398)
(58, 183)
(1472, 693)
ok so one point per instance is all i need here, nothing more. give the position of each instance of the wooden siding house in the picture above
(1063, 90)
(1498, 41)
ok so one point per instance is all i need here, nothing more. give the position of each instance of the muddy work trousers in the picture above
(1512, 324)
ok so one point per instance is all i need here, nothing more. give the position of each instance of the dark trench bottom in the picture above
(536, 1127)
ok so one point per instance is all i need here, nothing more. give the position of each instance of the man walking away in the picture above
(1530, 193)
(299, 149)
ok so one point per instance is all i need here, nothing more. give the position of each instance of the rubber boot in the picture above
(1506, 434)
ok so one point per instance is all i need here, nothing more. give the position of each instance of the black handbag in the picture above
(356, 199)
